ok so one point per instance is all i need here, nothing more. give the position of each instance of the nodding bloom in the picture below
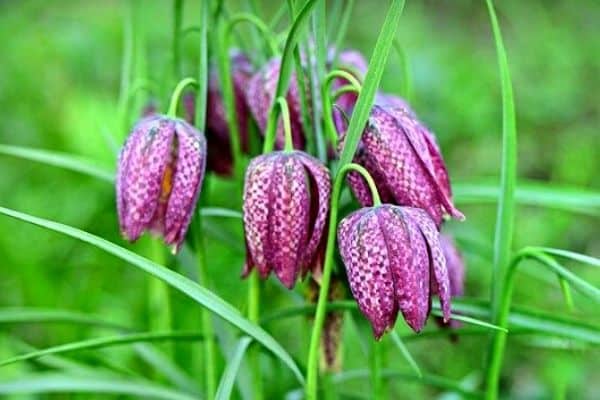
(405, 161)
(220, 159)
(260, 92)
(394, 262)
(159, 176)
(456, 271)
(285, 204)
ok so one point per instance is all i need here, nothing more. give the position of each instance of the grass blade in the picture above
(220, 212)
(405, 353)
(104, 342)
(99, 384)
(228, 378)
(371, 83)
(61, 160)
(198, 293)
(593, 261)
(38, 315)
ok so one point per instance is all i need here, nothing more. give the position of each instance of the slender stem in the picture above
(158, 293)
(201, 96)
(343, 90)
(319, 20)
(354, 84)
(376, 367)
(342, 28)
(287, 126)
(172, 112)
(263, 28)
(312, 369)
(405, 71)
(177, 17)
(254, 351)
(207, 325)
(126, 68)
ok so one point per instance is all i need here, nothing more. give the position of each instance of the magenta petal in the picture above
(139, 183)
(365, 255)
(320, 176)
(289, 218)
(438, 262)
(455, 265)
(409, 262)
(187, 182)
(256, 204)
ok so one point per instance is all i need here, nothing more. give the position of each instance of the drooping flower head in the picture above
(260, 92)
(159, 176)
(394, 263)
(286, 198)
(405, 161)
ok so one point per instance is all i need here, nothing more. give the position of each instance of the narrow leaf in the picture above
(198, 293)
(593, 261)
(230, 373)
(37, 315)
(405, 353)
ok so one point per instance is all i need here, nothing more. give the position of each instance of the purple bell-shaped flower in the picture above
(394, 262)
(286, 199)
(159, 176)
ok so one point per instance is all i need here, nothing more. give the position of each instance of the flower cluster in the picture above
(395, 257)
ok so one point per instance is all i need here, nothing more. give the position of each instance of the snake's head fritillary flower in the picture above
(406, 162)
(159, 177)
(393, 258)
(260, 92)
(286, 199)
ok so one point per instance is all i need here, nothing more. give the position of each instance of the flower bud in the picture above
(159, 176)
(286, 199)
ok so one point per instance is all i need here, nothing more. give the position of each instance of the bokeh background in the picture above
(60, 69)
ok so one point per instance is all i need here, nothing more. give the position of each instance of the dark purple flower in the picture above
(159, 176)
(392, 255)
(456, 272)
(286, 198)
(406, 163)
(260, 91)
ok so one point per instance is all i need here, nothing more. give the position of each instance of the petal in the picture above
(409, 263)
(140, 183)
(438, 262)
(455, 265)
(187, 182)
(289, 218)
(320, 198)
(256, 205)
(364, 252)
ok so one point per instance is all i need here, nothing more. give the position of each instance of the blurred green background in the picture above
(59, 81)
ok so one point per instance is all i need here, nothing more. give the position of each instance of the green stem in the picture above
(312, 369)
(263, 28)
(376, 368)
(354, 85)
(254, 351)
(177, 17)
(172, 112)
(158, 295)
(126, 69)
(287, 126)
(201, 96)
(207, 325)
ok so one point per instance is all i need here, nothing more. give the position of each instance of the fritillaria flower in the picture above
(286, 198)
(394, 262)
(159, 176)
(260, 92)
(405, 161)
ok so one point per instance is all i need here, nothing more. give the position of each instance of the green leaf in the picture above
(405, 353)
(61, 160)
(37, 315)
(428, 379)
(220, 212)
(593, 261)
(98, 384)
(198, 293)
(366, 97)
(110, 341)
(531, 193)
(228, 378)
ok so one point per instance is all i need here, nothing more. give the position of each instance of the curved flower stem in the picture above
(499, 339)
(287, 126)
(376, 367)
(260, 26)
(354, 85)
(172, 112)
(312, 369)
(254, 352)
(126, 69)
